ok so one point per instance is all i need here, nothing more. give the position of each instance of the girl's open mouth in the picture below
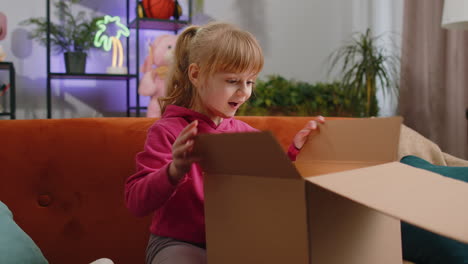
(233, 104)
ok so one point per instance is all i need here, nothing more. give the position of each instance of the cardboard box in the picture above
(341, 202)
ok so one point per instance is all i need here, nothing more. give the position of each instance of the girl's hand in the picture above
(182, 157)
(302, 135)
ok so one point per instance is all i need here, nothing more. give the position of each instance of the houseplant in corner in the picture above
(73, 35)
(365, 66)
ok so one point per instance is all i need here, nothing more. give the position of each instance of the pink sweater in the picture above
(178, 209)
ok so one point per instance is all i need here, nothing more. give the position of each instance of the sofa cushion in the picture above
(424, 247)
(15, 245)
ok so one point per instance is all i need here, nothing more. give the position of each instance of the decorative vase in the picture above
(75, 62)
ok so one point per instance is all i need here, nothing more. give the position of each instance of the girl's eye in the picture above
(251, 82)
(231, 81)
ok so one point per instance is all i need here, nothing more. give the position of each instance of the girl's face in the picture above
(221, 94)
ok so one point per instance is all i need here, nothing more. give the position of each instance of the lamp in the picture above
(455, 14)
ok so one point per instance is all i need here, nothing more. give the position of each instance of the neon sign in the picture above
(108, 42)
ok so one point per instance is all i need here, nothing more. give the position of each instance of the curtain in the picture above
(434, 77)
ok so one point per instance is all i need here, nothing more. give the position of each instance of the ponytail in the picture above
(179, 89)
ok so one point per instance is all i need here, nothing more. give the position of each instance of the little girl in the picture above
(213, 74)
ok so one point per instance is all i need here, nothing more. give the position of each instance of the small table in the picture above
(4, 65)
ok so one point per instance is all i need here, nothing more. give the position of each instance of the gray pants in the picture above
(164, 250)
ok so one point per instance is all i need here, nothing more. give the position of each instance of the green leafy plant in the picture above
(279, 96)
(365, 66)
(74, 33)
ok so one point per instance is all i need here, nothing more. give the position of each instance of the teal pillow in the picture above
(424, 247)
(16, 247)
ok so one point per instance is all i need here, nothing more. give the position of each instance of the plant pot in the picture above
(75, 62)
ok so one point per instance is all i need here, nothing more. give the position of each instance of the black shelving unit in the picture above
(8, 66)
(86, 76)
(138, 24)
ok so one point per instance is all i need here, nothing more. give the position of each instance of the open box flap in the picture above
(416, 196)
(364, 140)
(253, 154)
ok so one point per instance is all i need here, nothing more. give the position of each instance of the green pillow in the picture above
(16, 247)
(424, 247)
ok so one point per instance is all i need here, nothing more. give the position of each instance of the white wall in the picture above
(296, 45)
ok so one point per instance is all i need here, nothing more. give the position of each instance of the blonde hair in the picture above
(214, 47)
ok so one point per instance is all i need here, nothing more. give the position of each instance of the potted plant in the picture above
(279, 96)
(73, 36)
(365, 66)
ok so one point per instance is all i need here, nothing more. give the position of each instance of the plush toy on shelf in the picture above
(155, 70)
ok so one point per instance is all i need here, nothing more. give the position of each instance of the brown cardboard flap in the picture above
(416, 196)
(254, 154)
(364, 139)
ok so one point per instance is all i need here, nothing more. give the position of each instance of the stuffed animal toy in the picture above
(155, 70)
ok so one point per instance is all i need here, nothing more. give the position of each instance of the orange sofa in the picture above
(63, 180)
